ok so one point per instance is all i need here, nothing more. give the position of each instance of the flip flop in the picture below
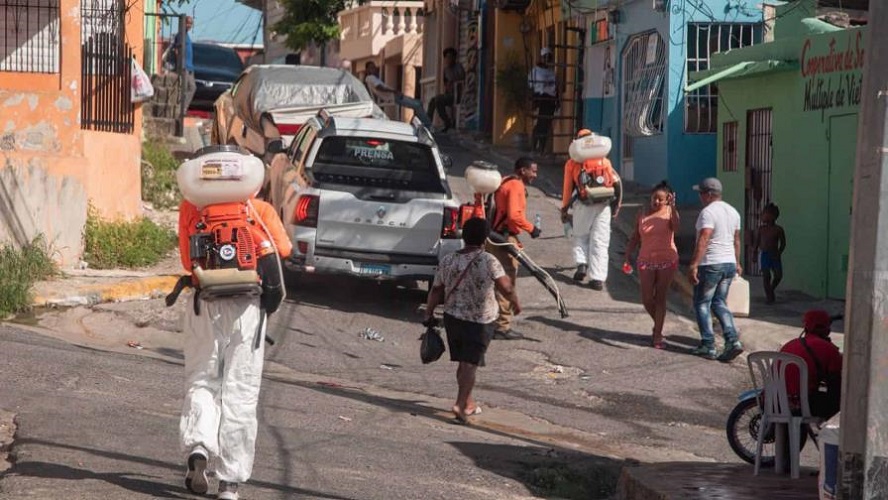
(476, 411)
(459, 421)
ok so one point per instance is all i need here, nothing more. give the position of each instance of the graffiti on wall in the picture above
(833, 74)
(469, 105)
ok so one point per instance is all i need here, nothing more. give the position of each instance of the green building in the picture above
(787, 134)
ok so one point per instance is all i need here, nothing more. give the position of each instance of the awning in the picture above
(745, 68)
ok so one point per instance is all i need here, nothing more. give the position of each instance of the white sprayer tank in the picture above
(589, 147)
(220, 174)
(483, 177)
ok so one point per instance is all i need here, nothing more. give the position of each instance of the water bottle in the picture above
(537, 221)
(568, 229)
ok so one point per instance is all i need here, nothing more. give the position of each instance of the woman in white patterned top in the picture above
(465, 284)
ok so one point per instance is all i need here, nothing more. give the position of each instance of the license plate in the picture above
(375, 269)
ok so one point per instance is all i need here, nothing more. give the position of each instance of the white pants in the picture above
(223, 373)
(592, 233)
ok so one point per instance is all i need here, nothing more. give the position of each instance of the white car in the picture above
(365, 197)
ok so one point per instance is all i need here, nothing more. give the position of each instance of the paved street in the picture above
(345, 417)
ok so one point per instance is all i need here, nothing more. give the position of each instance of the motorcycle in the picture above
(744, 425)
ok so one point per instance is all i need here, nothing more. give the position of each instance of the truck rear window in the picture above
(366, 161)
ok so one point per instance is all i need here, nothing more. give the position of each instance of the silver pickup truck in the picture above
(365, 197)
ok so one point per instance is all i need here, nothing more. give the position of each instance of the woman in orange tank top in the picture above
(658, 257)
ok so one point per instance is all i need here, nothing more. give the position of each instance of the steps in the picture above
(161, 113)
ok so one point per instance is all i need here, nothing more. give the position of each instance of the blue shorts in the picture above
(770, 262)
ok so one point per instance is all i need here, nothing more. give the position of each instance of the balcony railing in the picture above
(366, 29)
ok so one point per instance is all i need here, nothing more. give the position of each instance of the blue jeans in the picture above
(710, 296)
(416, 106)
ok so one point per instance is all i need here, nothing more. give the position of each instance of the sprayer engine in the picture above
(228, 238)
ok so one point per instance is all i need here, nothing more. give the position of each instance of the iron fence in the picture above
(106, 72)
(30, 38)
(759, 155)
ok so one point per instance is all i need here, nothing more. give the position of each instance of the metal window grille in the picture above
(644, 71)
(30, 36)
(729, 147)
(705, 39)
(759, 154)
(106, 67)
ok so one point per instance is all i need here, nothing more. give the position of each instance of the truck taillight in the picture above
(306, 213)
(450, 228)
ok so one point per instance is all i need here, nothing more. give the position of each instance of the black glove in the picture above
(535, 233)
(272, 283)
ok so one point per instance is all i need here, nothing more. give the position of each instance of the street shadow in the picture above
(134, 482)
(548, 472)
(609, 338)
(130, 482)
(348, 294)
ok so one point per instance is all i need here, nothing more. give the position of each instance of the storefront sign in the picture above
(833, 74)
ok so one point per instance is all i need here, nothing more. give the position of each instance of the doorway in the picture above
(759, 156)
(842, 156)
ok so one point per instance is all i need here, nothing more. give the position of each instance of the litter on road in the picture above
(371, 334)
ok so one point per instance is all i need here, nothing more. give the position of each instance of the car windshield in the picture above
(214, 57)
(366, 161)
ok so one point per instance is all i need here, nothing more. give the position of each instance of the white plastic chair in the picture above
(771, 370)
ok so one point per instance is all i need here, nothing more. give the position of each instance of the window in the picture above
(600, 31)
(704, 39)
(644, 70)
(371, 162)
(30, 36)
(729, 147)
(105, 67)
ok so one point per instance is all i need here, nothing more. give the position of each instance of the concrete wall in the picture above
(682, 158)
(509, 45)
(649, 153)
(52, 169)
(693, 156)
(813, 156)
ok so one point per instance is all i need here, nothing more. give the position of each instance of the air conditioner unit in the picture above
(514, 5)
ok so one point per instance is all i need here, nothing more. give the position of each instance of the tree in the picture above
(307, 21)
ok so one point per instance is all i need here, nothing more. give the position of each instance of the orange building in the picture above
(70, 135)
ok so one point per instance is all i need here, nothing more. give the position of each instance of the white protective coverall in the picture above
(591, 238)
(223, 357)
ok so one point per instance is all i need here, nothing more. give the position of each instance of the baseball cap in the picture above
(545, 51)
(709, 185)
(817, 320)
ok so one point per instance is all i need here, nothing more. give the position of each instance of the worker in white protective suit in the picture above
(591, 197)
(224, 341)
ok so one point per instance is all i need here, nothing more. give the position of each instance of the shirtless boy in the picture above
(771, 242)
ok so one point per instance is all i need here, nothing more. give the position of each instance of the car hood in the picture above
(216, 74)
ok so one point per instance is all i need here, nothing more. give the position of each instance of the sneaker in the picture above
(597, 285)
(507, 335)
(580, 275)
(227, 491)
(196, 476)
(731, 351)
(704, 351)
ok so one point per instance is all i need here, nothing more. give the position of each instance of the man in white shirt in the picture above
(387, 95)
(715, 263)
(544, 86)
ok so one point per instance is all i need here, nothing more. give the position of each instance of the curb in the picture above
(119, 291)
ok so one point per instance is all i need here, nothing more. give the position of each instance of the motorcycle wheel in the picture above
(743, 428)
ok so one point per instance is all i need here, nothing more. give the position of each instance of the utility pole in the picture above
(864, 421)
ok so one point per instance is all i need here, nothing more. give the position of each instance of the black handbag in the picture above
(432, 346)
